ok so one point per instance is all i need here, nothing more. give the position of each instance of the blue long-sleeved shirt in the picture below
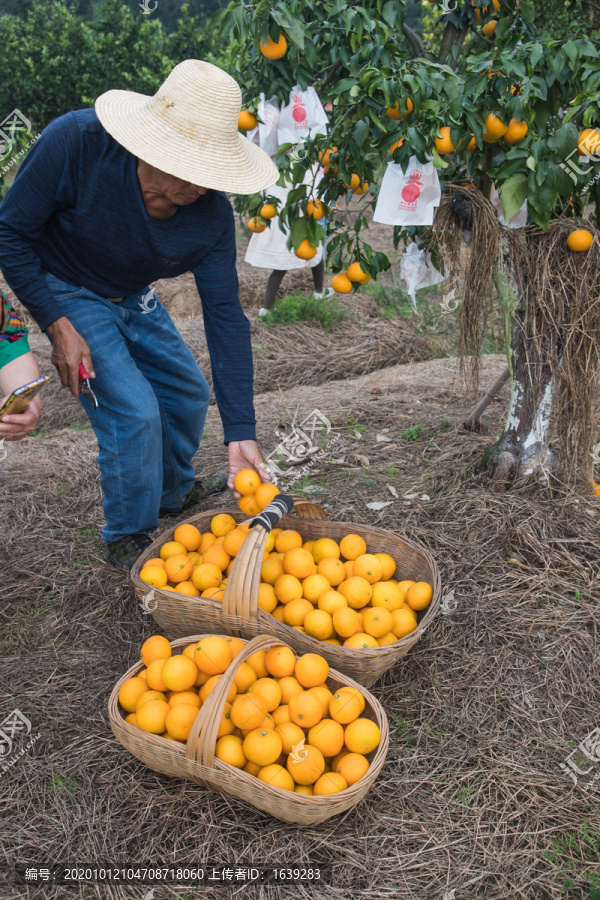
(76, 211)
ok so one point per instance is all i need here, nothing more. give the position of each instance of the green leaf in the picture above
(564, 140)
(502, 27)
(513, 194)
(389, 13)
(571, 50)
(344, 85)
(537, 51)
(361, 130)
(438, 162)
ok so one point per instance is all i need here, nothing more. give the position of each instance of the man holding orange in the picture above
(106, 202)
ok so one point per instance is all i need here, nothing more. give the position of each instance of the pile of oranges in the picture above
(335, 592)
(281, 723)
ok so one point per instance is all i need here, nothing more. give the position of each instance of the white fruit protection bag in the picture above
(265, 134)
(519, 220)
(417, 271)
(302, 118)
(408, 198)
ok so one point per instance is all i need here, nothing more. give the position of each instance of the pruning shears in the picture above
(85, 387)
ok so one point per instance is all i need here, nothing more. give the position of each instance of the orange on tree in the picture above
(490, 27)
(316, 209)
(324, 157)
(495, 128)
(247, 121)
(396, 146)
(444, 143)
(341, 284)
(274, 49)
(515, 132)
(268, 211)
(394, 111)
(255, 225)
(355, 273)
(305, 250)
(580, 239)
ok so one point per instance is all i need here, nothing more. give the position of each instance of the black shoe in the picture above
(203, 488)
(122, 554)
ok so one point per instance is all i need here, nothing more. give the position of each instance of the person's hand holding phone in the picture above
(15, 426)
(68, 350)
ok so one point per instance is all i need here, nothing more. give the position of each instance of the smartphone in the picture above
(20, 399)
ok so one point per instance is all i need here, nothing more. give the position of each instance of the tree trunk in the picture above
(522, 449)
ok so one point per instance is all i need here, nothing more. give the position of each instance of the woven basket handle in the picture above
(201, 742)
(306, 509)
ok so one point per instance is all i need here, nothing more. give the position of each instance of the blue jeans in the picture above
(152, 401)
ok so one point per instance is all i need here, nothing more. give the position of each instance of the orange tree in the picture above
(493, 99)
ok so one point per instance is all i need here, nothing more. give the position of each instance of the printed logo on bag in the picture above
(411, 191)
(299, 111)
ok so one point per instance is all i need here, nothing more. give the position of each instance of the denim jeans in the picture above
(152, 403)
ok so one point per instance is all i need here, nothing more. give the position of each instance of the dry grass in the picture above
(482, 710)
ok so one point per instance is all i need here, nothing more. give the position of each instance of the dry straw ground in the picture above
(482, 711)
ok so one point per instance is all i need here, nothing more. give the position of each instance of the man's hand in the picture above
(15, 426)
(68, 350)
(245, 455)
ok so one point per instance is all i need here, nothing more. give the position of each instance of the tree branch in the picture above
(591, 3)
(416, 43)
(450, 37)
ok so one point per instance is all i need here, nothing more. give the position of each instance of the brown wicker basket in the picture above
(196, 761)
(239, 614)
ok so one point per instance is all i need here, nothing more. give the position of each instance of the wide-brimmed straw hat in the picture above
(189, 129)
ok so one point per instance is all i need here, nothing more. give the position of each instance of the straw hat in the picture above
(189, 129)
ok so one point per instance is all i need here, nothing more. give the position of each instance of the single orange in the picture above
(217, 555)
(276, 776)
(298, 562)
(264, 493)
(329, 783)
(131, 691)
(229, 749)
(188, 535)
(178, 567)
(419, 595)
(305, 709)
(333, 570)
(388, 565)
(213, 655)
(221, 524)
(346, 622)
(306, 765)
(305, 250)
(257, 662)
(327, 736)
(154, 576)
(151, 716)
(268, 211)
(244, 677)
(247, 121)
(226, 725)
(179, 720)
(325, 548)
(207, 576)
(315, 209)
(387, 595)
(296, 611)
(269, 690)
(280, 661)
(287, 588)
(341, 284)
(287, 540)
(377, 622)
(267, 598)
(580, 239)
(289, 685)
(232, 544)
(367, 566)
(331, 600)
(318, 624)
(185, 697)
(271, 569)
(262, 746)
(248, 505)
(444, 143)
(290, 735)
(362, 736)
(396, 146)
(352, 767)
(248, 711)
(274, 49)
(311, 670)
(187, 588)
(357, 591)
(314, 586)
(403, 621)
(153, 675)
(246, 481)
(179, 673)
(360, 641)
(345, 707)
(170, 549)
(352, 545)
(211, 684)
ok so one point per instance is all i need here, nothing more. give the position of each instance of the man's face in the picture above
(179, 192)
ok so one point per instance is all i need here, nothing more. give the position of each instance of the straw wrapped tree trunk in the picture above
(522, 449)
